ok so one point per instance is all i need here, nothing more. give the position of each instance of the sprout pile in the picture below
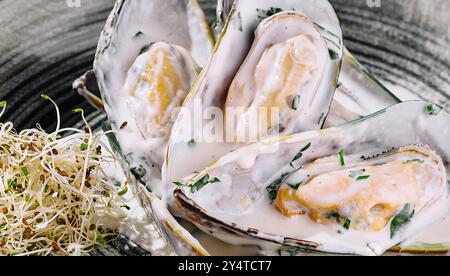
(53, 190)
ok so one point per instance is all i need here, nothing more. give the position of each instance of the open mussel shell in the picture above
(239, 69)
(232, 198)
(359, 92)
(147, 59)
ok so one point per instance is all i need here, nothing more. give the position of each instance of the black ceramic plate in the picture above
(46, 44)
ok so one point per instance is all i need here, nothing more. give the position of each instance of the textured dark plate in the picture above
(45, 45)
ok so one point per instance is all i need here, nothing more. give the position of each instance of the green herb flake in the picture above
(263, 14)
(179, 184)
(296, 186)
(25, 171)
(200, 184)
(84, 146)
(273, 188)
(296, 157)
(215, 180)
(296, 102)
(138, 34)
(363, 177)
(146, 48)
(27, 198)
(355, 174)
(123, 192)
(342, 158)
(106, 194)
(112, 139)
(320, 119)
(347, 224)
(402, 219)
(433, 109)
(300, 154)
(139, 173)
(306, 148)
(124, 125)
(333, 54)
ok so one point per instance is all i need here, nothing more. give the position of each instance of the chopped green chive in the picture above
(179, 184)
(146, 48)
(84, 146)
(347, 224)
(197, 186)
(296, 102)
(124, 125)
(363, 177)
(215, 180)
(273, 188)
(355, 174)
(333, 54)
(341, 157)
(139, 173)
(300, 154)
(320, 119)
(200, 184)
(402, 219)
(106, 194)
(263, 14)
(112, 139)
(306, 148)
(27, 198)
(296, 186)
(433, 109)
(138, 34)
(296, 157)
(359, 175)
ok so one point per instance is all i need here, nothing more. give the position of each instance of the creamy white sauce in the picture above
(135, 223)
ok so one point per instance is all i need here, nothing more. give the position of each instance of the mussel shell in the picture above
(403, 124)
(231, 50)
